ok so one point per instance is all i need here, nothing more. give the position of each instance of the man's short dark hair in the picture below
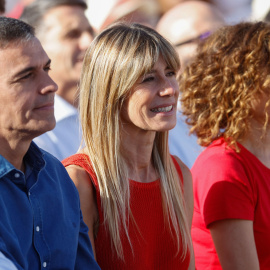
(12, 30)
(2, 6)
(33, 13)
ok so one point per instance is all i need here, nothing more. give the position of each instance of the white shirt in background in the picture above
(182, 144)
(6, 264)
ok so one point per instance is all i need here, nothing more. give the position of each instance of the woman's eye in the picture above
(171, 73)
(148, 79)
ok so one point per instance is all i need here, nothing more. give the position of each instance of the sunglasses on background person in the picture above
(196, 39)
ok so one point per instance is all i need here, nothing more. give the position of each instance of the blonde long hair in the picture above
(115, 60)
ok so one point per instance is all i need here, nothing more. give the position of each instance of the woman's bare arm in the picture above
(88, 202)
(235, 244)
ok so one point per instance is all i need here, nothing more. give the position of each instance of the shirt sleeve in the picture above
(224, 188)
(85, 257)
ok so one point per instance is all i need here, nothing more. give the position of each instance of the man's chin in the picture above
(44, 127)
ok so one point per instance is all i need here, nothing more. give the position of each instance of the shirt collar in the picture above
(32, 158)
(63, 109)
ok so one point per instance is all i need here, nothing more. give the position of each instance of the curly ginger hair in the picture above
(230, 71)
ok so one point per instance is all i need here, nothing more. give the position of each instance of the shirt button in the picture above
(17, 175)
(29, 193)
(44, 264)
(37, 229)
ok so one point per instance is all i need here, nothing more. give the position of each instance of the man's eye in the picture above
(26, 76)
(74, 34)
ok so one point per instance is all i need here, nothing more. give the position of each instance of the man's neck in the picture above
(14, 151)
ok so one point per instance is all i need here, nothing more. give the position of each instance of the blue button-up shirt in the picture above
(41, 224)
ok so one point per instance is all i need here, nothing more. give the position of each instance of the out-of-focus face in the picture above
(190, 32)
(152, 103)
(185, 25)
(66, 37)
(166, 5)
(26, 90)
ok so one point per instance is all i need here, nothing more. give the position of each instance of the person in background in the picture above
(65, 34)
(226, 98)
(2, 7)
(235, 11)
(14, 8)
(267, 16)
(41, 224)
(260, 10)
(166, 5)
(110, 11)
(136, 198)
(185, 26)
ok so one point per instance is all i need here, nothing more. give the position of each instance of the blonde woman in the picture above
(226, 98)
(136, 198)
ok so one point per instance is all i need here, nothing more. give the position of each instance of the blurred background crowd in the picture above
(182, 22)
(103, 12)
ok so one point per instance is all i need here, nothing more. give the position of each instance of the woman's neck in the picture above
(258, 142)
(137, 151)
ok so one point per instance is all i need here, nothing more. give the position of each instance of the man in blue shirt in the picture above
(41, 225)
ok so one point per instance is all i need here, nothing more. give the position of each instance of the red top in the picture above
(229, 185)
(153, 245)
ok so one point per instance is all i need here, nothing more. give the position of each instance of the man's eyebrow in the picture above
(30, 69)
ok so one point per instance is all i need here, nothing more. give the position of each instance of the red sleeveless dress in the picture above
(153, 246)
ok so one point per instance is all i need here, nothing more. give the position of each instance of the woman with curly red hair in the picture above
(226, 97)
